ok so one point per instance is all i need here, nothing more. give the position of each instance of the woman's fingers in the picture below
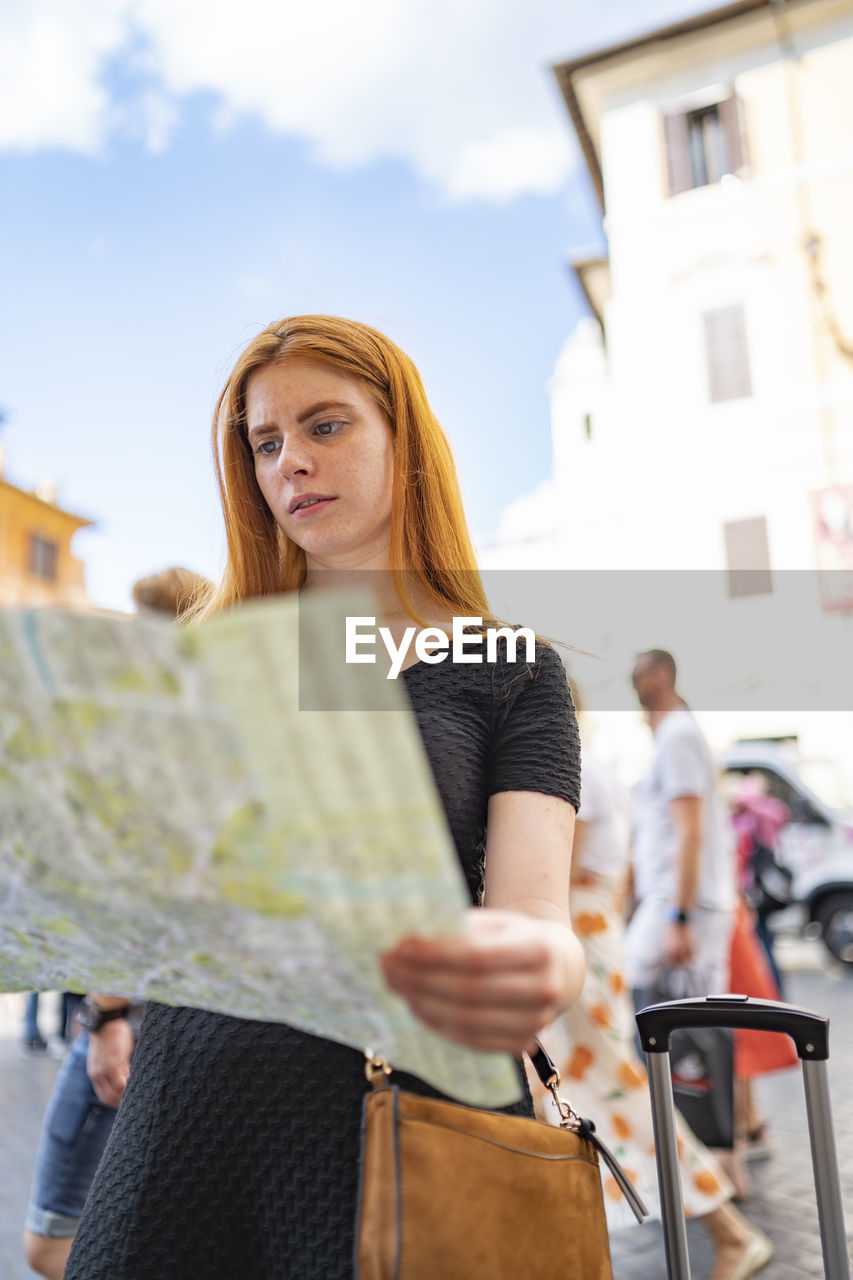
(109, 1088)
(494, 987)
(460, 955)
(481, 1029)
(493, 941)
(500, 1009)
(521, 989)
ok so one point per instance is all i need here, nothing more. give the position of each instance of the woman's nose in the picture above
(294, 457)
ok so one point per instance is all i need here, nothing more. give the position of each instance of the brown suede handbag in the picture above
(449, 1192)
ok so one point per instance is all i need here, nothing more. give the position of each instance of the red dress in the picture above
(756, 1052)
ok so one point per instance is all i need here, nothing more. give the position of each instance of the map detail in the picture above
(174, 827)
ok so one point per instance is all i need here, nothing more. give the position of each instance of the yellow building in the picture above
(36, 562)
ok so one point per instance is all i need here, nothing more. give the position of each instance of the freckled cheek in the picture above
(264, 484)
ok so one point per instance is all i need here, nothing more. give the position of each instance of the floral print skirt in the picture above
(594, 1048)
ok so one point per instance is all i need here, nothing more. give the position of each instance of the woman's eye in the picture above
(267, 446)
(327, 428)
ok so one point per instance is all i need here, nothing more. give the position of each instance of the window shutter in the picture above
(748, 557)
(729, 110)
(42, 557)
(727, 355)
(677, 146)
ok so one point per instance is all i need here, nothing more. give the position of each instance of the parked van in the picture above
(816, 844)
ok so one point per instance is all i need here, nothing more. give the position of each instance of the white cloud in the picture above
(513, 161)
(51, 56)
(460, 92)
(532, 515)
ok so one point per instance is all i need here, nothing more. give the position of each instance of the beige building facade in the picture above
(702, 417)
(719, 371)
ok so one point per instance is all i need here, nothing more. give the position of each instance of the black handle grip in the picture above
(809, 1031)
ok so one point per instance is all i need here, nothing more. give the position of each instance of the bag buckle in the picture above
(569, 1119)
(376, 1069)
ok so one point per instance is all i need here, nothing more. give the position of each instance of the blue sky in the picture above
(173, 179)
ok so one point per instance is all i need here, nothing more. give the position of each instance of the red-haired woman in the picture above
(235, 1150)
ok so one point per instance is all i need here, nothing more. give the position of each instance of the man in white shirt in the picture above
(682, 856)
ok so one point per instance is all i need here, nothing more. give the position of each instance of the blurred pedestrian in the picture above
(172, 592)
(763, 888)
(683, 864)
(758, 819)
(236, 1149)
(33, 1043)
(757, 1053)
(682, 850)
(91, 1080)
(593, 1042)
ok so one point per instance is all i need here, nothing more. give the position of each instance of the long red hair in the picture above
(428, 533)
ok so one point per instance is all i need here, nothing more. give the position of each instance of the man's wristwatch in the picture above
(679, 916)
(91, 1016)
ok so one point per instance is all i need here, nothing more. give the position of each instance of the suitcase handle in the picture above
(809, 1031)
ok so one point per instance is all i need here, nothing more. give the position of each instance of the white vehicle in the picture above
(816, 844)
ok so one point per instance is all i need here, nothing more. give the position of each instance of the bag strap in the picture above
(546, 1069)
(544, 1066)
(635, 1201)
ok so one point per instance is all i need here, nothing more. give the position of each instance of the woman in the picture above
(757, 818)
(593, 1043)
(235, 1150)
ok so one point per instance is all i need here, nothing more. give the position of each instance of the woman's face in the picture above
(323, 453)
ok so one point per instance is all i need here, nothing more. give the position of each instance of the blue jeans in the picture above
(31, 1017)
(74, 1133)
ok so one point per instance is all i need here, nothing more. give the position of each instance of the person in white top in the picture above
(682, 852)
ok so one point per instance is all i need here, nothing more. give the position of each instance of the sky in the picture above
(176, 174)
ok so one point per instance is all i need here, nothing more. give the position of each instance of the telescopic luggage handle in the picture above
(809, 1031)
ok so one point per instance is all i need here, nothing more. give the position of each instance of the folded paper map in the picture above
(173, 826)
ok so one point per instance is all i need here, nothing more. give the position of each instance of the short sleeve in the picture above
(681, 767)
(535, 744)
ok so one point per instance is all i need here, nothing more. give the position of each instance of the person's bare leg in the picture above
(747, 1117)
(47, 1255)
(731, 1160)
(742, 1109)
(740, 1250)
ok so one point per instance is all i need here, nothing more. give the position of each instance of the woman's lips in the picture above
(301, 512)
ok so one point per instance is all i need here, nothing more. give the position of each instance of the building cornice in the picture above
(79, 522)
(567, 71)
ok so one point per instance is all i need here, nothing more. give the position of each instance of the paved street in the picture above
(782, 1202)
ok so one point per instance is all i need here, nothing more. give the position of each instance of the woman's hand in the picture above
(493, 988)
(108, 1060)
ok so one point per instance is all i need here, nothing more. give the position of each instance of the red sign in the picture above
(833, 524)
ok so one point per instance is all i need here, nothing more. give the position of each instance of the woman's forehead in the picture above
(289, 385)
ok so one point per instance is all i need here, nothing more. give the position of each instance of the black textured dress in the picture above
(234, 1155)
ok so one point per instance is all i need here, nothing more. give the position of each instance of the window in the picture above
(42, 557)
(748, 557)
(702, 145)
(726, 354)
(707, 146)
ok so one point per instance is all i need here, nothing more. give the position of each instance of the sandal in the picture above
(758, 1145)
